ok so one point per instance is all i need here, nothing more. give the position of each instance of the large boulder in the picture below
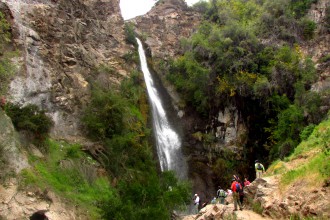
(12, 156)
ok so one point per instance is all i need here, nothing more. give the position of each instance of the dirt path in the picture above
(239, 215)
(249, 215)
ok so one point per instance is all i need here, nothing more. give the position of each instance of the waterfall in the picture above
(168, 142)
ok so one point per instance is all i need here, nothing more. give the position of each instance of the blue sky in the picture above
(133, 8)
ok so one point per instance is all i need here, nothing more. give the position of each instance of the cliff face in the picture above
(62, 45)
(320, 46)
(164, 25)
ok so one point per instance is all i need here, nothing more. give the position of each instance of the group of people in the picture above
(236, 189)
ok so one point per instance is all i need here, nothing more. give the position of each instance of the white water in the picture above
(167, 140)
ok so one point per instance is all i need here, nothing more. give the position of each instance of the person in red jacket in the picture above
(236, 187)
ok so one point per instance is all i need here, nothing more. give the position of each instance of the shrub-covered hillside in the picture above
(247, 54)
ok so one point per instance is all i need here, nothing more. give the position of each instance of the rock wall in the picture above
(12, 157)
(62, 46)
(164, 25)
(319, 47)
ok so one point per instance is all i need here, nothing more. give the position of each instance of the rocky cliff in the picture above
(164, 25)
(63, 45)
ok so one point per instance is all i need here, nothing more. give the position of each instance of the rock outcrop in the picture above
(297, 200)
(12, 157)
(21, 204)
(319, 47)
(63, 45)
(164, 25)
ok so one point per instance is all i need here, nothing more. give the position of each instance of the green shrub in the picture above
(326, 58)
(307, 132)
(73, 151)
(30, 118)
(257, 207)
(130, 34)
(308, 28)
(104, 117)
(5, 35)
(6, 68)
(300, 7)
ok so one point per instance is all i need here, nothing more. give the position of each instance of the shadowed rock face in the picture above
(62, 44)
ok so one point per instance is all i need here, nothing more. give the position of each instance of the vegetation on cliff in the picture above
(6, 67)
(314, 151)
(247, 53)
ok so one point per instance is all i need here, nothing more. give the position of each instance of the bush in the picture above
(104, 117)
(130, 34)
(6, 68)
(30, 118)
(300, 7)
(308, 28)
(307, 132)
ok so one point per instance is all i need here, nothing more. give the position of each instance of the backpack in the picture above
(259, 167)
(238, 187)
(222, 193)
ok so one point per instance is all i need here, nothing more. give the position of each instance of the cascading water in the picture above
(167, 140)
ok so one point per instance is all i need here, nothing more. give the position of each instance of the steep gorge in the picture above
(66, 45)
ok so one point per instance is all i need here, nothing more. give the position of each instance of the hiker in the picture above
(241, 192)
(196, 203)
(221, 195)
(246, 182)
(260, 169)
(236, 188)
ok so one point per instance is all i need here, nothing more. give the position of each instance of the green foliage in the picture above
(308, 28)
(300, 7)
(6, 68)
(244, 52)
(118, 120)
(105, 115)
(191, 79)
(30, 118)
(306, 132)
(325, 59)
(5, 36)
(257, 207)
(130, 34)
(73, 152)
(314, 147)
(131, 57)
(68, 178)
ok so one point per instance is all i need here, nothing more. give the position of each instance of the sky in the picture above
(133, 8)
